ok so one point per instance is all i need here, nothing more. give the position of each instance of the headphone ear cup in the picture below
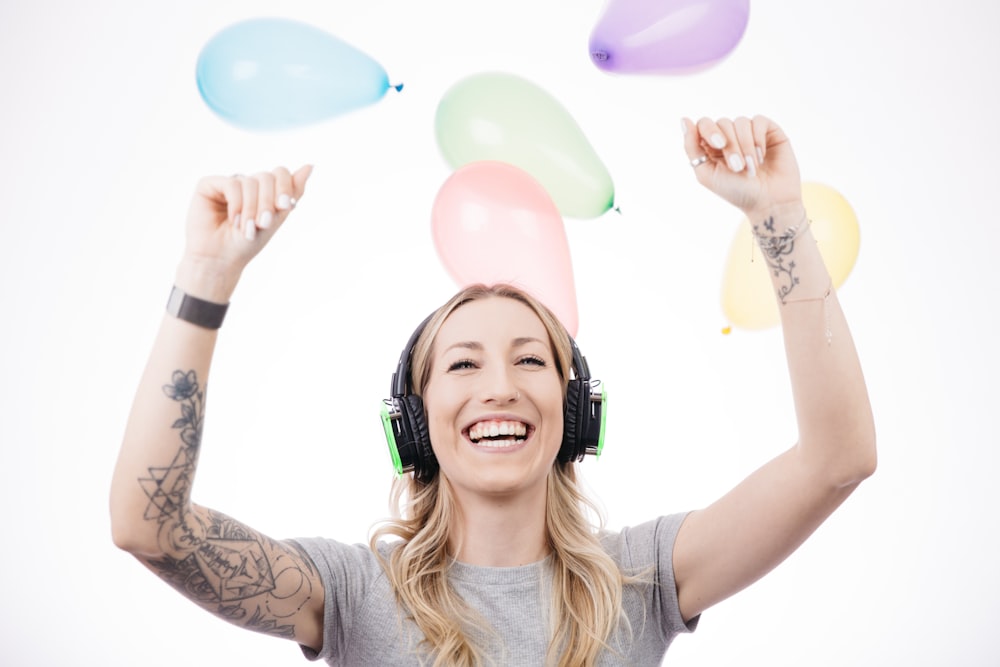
(574, 421)
(424, 462)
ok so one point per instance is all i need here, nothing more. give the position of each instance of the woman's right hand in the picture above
(231, 218)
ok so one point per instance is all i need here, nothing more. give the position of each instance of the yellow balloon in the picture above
(748, 299)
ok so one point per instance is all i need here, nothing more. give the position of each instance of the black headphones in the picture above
(405, 422)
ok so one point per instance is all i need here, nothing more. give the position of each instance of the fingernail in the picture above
(735, 162)
(751, 167)
(284, 202)
(265, 220)
(760, 155)
(250, 230)
(717, 140)
(292, 202)
(684, 127)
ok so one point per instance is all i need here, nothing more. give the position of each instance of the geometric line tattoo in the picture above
(221, 563)
(167, 487)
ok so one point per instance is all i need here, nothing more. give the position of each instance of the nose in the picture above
(499, 387)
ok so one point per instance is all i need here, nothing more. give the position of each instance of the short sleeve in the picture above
(649, 547)
(347, 573)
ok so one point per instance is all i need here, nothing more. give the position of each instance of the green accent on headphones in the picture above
(390, 437)
(604, 420)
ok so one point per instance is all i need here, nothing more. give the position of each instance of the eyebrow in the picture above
(476, 345)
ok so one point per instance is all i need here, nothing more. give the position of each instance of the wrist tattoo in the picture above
(777, 248)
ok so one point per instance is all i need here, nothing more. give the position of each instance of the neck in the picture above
(500, 531)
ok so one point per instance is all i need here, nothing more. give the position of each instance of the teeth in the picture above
(495, 428)
(497, 444)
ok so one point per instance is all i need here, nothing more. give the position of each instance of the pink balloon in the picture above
(666, 36)
(494, 223)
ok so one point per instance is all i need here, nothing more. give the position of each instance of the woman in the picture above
(496, 564)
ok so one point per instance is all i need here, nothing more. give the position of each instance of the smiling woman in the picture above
(491, 558)
(493, 368)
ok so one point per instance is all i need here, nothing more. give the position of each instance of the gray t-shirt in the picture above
(363, 625)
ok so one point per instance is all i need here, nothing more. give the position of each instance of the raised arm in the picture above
(742, 536)
(224, 566)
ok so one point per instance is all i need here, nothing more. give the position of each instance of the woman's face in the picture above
(494, 399)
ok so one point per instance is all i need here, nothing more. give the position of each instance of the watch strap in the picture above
(206, 314)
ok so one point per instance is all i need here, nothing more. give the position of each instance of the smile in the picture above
(498, 434)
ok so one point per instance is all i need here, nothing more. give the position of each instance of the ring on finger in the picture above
(698, 161)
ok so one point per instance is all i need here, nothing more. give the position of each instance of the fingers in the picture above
(739, 144)
(299, 181)
(248, 217)
(265, 200)
(284, 190)
(262, 201)
(760, 126)
(232, 190)
(702, 157)
(748, 150)
(692, 143)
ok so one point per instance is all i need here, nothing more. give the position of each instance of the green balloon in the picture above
(502, 117)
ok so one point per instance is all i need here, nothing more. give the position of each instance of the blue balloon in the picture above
(270, 74)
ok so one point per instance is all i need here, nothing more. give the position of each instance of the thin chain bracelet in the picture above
(828, 330)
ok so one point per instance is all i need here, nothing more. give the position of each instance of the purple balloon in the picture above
(666, 36)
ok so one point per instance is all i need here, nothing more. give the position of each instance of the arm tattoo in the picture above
(776, 248)
(228, 568)
(167, 488)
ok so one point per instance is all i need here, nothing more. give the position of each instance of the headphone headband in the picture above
(401, 378)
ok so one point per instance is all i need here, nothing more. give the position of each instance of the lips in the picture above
(498, 433)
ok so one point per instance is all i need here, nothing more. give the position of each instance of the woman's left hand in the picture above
(747, 162)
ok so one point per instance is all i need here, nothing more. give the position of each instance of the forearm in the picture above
(835, 423)
(151, 486)
(224, 566)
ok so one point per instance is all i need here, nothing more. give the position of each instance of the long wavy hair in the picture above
(587, 584)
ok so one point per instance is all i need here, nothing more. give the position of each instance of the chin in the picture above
(507, 482)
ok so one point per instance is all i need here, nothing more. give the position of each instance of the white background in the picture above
(103, 135)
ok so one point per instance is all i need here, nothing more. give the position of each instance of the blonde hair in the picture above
(587, 584)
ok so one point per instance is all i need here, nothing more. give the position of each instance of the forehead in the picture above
(493, 319)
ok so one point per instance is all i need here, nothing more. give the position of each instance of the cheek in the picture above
(440, 413)
(558, 420)
(555, 416)
(436, 429)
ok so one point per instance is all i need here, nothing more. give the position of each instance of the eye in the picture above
(461, 365)
(531, 360)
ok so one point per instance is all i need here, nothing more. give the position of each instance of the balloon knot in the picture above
(618, 210)
(599, 55)
(398, 87)
(726, 331)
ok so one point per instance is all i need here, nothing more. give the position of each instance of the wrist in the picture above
(781, 215)
(202, 313)
(206, 279)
